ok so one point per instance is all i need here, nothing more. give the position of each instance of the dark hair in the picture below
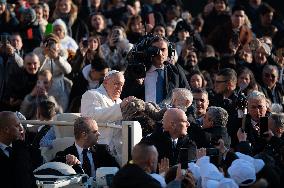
(238, 8)
(265, 8)
(229, 74)
(98, 63)
(245, 70)
(46, 109)
(225, 1)
(228, 61)
(80, 126)
(200, 90)
(196, 72)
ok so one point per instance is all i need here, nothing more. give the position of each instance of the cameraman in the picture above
(54, 59)
(9, 62)
(161, 77)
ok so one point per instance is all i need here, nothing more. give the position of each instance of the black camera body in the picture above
(139, 57)
(4, 40)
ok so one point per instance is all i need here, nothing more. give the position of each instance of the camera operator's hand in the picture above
(10, 49)
(242, 136)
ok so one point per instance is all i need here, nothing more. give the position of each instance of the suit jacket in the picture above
(163, 142)
(100, 152)
(16, 171)
(97, 104)
(279, 92)
(131, 175)
(174, 78)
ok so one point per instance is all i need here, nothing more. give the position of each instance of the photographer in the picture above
(160, 76)
(10, 62)
(116, 48)
(40, 92)
(54, 59)
(89, 48)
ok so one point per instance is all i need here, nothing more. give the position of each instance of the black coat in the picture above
(163, 142)
(174, 78)
(17, 170)
(101, 156)
(132, 176)
(279, 92)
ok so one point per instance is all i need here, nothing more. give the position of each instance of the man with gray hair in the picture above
(270, 86)
(181, 98)
(104, 104)
(214, 126)
(257, 108)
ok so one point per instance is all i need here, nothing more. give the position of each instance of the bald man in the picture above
(15, 159)
(171, 136)
(145, 160)
(104, 103)
(138, 174)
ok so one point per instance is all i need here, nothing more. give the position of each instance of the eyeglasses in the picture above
(260, 107)
(267, 75)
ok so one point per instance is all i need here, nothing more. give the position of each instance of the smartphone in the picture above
(40, 83)
(85, 42)
(263, 125)
(4, 39)
(187, 155)
(212, 152)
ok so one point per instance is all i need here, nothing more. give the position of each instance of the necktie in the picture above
(9, 149)
(174, 144)
(86, 163)
(160, 86)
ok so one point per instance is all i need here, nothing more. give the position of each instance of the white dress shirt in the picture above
(90, 157)
(150, 84)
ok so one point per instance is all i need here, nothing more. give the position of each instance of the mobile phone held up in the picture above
(263, 126)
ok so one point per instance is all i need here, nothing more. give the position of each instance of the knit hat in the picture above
(60, 22)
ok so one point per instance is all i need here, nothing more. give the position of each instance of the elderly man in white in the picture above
(103, 104)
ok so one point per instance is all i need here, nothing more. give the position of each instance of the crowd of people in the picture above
(203, 78)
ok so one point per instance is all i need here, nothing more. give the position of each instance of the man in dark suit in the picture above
(15, 160)
(138, 174)
(170, 138)
(161, 77)
(86, 151)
